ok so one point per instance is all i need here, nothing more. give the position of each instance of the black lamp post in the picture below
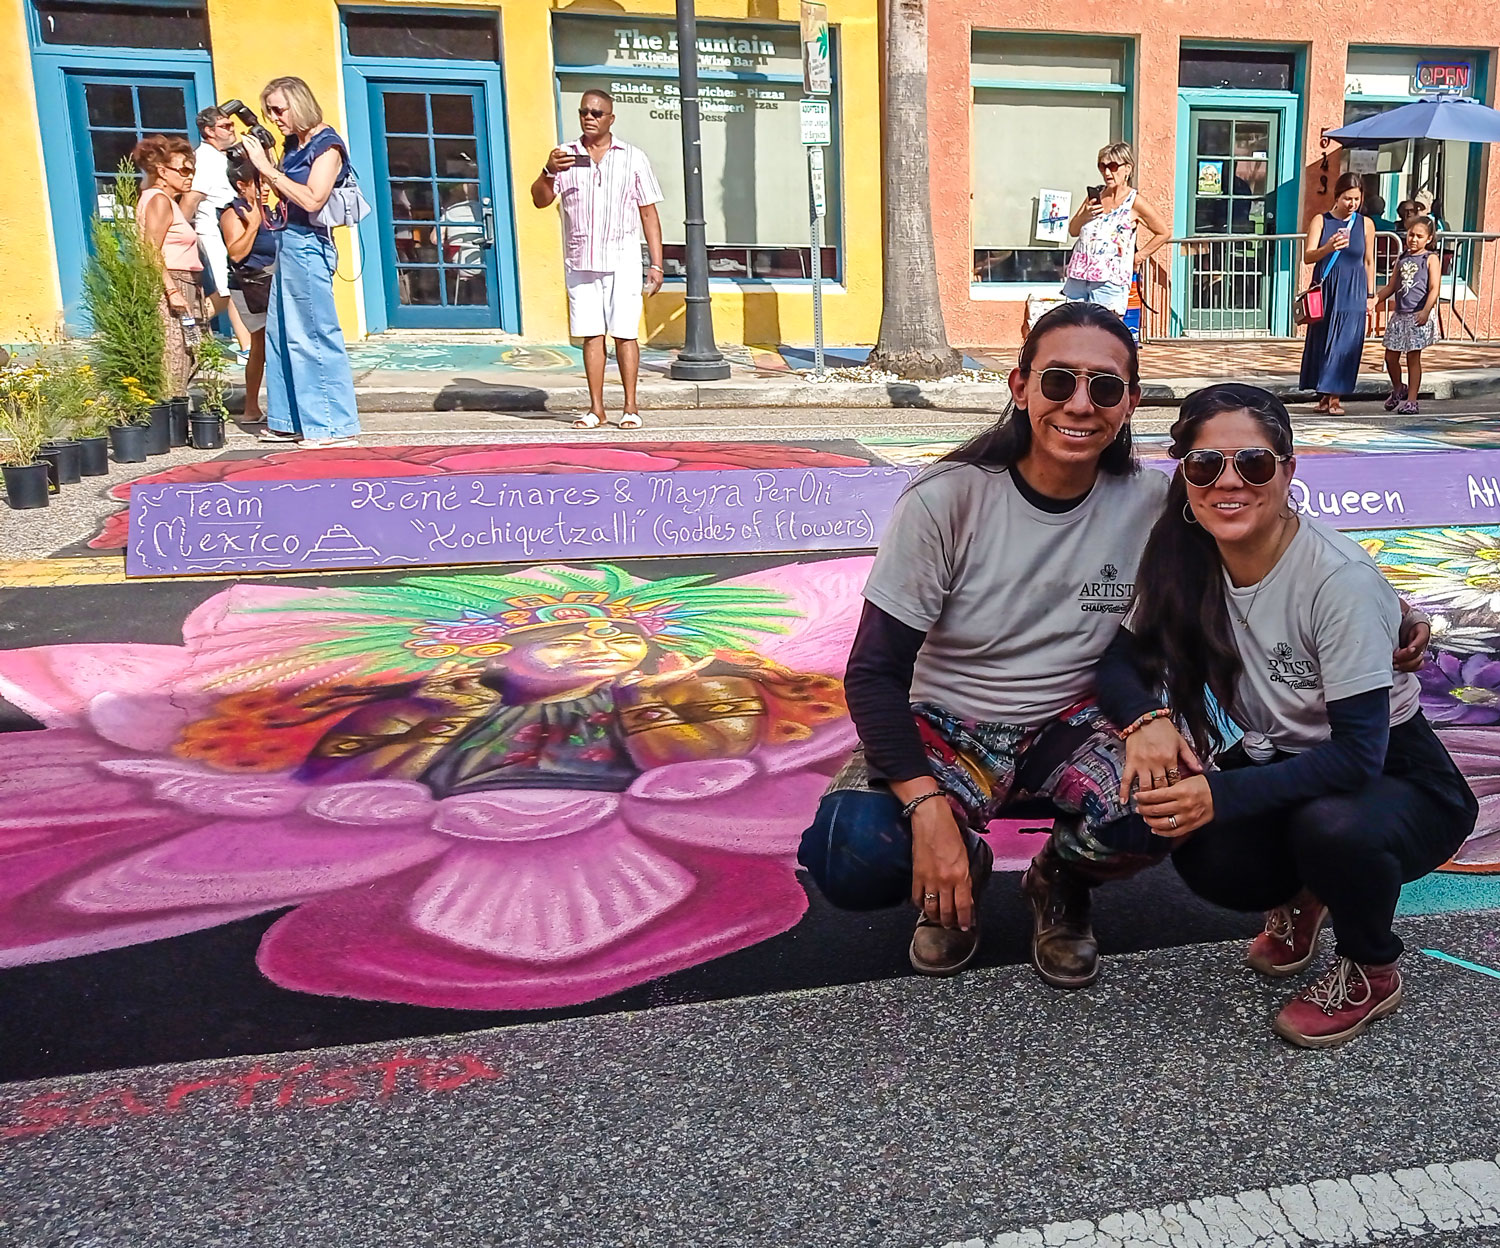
(699, 359)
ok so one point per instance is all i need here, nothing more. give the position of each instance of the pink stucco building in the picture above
(1226, 106)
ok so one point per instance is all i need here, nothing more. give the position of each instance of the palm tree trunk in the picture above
(913, 341)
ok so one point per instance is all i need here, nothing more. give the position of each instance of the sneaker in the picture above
(1395, 397)
(276, 435)
(1409, 408)
(1340, 1005)
(1063, 949)
(939, 950)
(1289, 941)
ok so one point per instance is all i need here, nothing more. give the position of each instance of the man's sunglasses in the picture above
(1111, 166)
(1105, 389)
(1255, 465)
(592, 112)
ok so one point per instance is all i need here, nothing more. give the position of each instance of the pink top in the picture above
(601, 205)
(179, 249)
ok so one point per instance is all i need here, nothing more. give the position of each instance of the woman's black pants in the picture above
(1353, 851)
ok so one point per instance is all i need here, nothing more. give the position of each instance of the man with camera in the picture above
(209, 195)
(608, 193)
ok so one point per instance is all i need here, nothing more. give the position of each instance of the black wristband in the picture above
(911, 806)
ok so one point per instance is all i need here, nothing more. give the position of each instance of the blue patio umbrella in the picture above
(1444, 117)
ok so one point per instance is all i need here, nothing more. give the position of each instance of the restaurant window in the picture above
(429, 36)
(1380, 79)
(755, 186)
(1043, 107)
(1233, 69)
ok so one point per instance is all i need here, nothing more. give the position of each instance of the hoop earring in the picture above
(1187, 513)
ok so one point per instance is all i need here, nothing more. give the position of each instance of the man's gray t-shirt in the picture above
(1321, 626)
(1017, 603)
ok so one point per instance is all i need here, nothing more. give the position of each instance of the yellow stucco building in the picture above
(449, 110)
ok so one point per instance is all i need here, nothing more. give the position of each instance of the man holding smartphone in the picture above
(608, 194)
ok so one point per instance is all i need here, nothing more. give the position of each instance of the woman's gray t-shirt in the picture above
(1017, 603)
(1321, 626)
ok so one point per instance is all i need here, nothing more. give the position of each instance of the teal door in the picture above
(110, 113)
(436, 204)
(1233, 189)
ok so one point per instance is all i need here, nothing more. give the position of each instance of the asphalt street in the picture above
(903, 1112)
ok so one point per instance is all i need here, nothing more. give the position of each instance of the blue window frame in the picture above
(104, 99)
(432, 132)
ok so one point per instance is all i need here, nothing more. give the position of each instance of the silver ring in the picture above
(1172, 822)
(929, 896)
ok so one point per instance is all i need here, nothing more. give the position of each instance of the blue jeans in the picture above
(1113, 295)
(309, 384)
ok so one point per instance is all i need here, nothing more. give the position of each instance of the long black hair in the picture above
(1184, 638)
(1008, 439)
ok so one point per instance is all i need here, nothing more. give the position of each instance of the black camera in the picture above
(247, 118)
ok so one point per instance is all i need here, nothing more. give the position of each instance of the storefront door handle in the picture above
(488, 214)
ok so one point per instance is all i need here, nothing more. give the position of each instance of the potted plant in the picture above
(93, 436)
(66, 390)
(22, 429)
(122, 285)
(213, 383)
(130, 430)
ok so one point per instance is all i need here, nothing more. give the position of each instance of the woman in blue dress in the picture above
(1341, 249)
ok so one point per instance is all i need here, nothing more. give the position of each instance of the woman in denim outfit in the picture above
(309, 384)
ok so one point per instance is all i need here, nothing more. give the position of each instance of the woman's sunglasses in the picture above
(1105, 389)
(1111, 166)
(1256, 465)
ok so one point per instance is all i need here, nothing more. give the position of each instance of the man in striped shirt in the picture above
(608, 194)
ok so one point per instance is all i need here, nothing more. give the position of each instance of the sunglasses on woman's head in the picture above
(1105, 389)
(1255, 465)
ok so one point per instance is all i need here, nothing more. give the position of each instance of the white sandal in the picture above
(589, 420)
(631, 420)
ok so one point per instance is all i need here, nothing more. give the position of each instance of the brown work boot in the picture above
(939, 950)
(1290, 939)
(1063, 948)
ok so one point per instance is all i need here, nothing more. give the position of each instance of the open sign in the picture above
(1444, 76)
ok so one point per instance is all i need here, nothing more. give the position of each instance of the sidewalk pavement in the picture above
(986, 1111)
(457, 374)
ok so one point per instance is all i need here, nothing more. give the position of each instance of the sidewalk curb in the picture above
(662, 395)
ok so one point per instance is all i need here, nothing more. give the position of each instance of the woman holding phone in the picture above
(1104, 258)
(1341, 249)
(1339, 791)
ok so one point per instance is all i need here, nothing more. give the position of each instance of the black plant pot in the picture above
(64, 461)
(128, 443)
(93, 456)
(207, 431)
(181, 407)
(26, 486)
(159, 431)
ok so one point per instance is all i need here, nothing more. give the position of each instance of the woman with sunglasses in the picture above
(1339, 791)
(166, 165)
(997, 586)
(309, 384)
(1103, 260)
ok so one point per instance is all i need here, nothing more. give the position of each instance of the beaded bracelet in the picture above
(1159, 713)
(906, 811)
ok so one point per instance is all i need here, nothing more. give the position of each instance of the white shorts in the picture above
(606, 303)
(254, 321)
(212, 243)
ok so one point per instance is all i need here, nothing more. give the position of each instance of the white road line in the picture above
(1327, 1213)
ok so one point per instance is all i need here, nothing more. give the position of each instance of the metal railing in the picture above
(1239, 286)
